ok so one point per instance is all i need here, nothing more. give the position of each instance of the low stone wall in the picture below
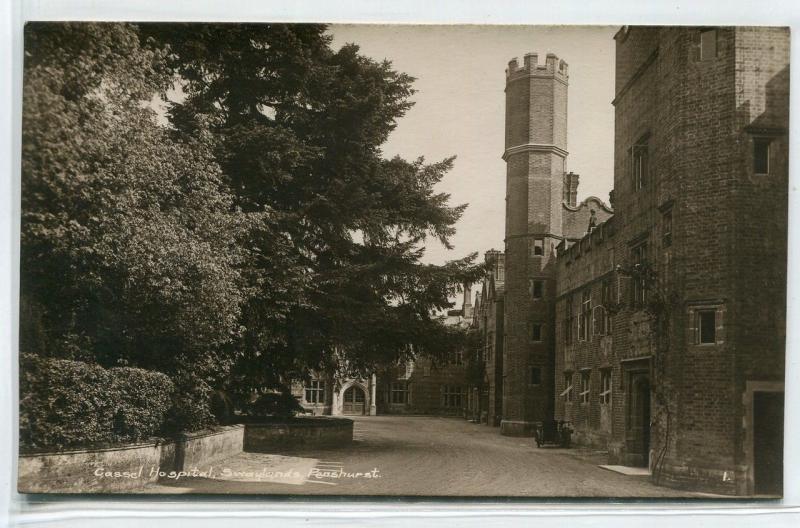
(315, 431)
(113, 470)
(196, 449)
(125, 468)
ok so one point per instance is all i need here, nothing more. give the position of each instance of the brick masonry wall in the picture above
(426, 389)
(642, 85)
(698, 379)
(727, 251)
(583, 266)
(489, 323)
(534, 191)
(757, 313)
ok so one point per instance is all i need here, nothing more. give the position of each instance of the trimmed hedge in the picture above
(67, 403)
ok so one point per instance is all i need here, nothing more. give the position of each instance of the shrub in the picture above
(66, 403)
(191, 407)
(146, 396)
(278, 404)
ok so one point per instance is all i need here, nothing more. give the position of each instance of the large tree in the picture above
(298, 130)
(257, 234)
(132, 245)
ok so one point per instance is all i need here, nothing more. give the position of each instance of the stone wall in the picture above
(124, 469)
(298, 433)
(195, 449)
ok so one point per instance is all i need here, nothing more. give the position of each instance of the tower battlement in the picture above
(530, 66)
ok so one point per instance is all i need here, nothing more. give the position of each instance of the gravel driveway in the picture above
(422, 455)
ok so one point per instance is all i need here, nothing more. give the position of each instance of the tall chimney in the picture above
(466, 305)
(571, 188)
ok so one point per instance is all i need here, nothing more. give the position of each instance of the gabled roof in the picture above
(585, 203)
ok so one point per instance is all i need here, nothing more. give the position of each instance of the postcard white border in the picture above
(212, 511)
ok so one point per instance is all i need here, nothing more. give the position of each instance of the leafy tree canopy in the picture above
(261, 228)
(131, 242)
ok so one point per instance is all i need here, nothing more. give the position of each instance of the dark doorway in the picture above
(638, 430)
(768, 443)
(353, 401)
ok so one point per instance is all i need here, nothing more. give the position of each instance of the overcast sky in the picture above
(460, 109)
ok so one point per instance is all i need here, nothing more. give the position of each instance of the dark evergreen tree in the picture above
(298, 130)
(259, 234)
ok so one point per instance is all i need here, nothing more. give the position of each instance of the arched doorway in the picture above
(353, 400)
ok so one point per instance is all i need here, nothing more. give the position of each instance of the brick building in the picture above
(670, 316)
(425, 385)
(422, 386)
(657, 329)
(486, 402)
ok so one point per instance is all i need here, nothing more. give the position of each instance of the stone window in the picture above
(399, 392)
(639, 259)
(537, 289)
(706, 327)
(536, 376)
(605, 291)
(607, 297)
(585, 384)
(599, 321)
(457, 358)
(568, 321)
(452, 396)
(567, 392)
(538, 247)
(761, 155)
(640, 164)
(666, 229)
(605, 387)
(536, 332)
(315, 391)
(586, 314)
(708, 44)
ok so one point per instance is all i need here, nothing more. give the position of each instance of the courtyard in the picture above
(420, 455)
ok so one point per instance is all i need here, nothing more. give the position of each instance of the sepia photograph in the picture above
(394, 260)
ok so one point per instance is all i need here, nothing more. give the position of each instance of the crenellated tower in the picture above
(535, 156)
